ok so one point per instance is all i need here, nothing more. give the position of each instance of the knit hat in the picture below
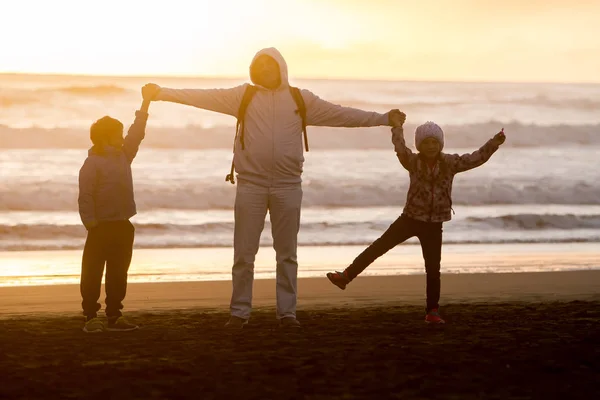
(427, 130)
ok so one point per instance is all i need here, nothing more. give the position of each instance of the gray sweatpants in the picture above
(251, 205)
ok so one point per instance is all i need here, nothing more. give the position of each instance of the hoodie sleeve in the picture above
(323, 113)
(404, 154)
(135, 135)
(465, 162)
(87, 187)
(224, 101)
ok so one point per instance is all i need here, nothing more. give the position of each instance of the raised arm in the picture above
(404, 154)
(465, 162)
(323, 113)
(224, 101)
(136, 133)
(87, 187)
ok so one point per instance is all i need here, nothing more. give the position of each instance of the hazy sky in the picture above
(490, 40)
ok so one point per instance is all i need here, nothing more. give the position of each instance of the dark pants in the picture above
(109, 243)
(430, 236)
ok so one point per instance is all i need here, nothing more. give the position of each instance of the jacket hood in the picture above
(101, 150)
(275, 55)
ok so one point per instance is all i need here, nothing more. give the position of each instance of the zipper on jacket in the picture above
(432, 193)
(432, 201)
(272, 175)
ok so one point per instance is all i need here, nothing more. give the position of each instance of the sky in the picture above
(438, 40)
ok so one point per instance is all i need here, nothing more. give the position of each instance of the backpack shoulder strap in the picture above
(241, 115)
(239, 127)
(297, 95)
(246, 98)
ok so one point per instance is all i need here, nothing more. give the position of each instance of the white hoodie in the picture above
(273, 154)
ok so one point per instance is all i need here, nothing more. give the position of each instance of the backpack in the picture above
(239, 127)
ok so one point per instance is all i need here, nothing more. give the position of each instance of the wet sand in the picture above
(318, 292)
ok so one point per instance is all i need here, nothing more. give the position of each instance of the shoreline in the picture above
(38, 268)
(317, 293)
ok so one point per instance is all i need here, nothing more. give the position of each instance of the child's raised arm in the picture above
(465, 162)
(137, 131)
(404, 154)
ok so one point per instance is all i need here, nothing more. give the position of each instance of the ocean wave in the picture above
(364, 98)
(25, 97)
(94, 90)
(58, 232)
(540, 221)
(143, 243)
(7, 101)
(578, 103)
(557, 228)
(220, 137)
(536, 101)
(322, 193)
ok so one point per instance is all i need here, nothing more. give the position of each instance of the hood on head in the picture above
(275, 55)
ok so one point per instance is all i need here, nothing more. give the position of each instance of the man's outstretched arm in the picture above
(224, 101)
(323, 113)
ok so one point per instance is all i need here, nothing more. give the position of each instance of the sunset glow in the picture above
(381, 39)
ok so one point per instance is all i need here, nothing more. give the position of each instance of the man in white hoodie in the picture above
(268, 159)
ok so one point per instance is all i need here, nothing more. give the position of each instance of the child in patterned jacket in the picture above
(428, 205)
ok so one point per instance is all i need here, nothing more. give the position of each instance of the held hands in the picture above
(396, 117)
(149, 91)
(499, 137)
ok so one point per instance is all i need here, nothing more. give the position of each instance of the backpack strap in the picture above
(239, 126)
(301, 111)
(241, 115)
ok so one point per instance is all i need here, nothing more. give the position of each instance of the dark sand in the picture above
(499, 351)
(508, 336)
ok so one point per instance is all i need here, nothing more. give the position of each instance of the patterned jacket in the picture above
(429, 196)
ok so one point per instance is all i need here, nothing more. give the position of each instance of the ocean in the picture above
(542, 186)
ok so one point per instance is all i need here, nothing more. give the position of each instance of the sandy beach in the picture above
(525, 339)
(318, 292)
(524, 335)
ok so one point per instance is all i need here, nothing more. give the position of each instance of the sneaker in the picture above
(433, 317)
(289, 322)
(339, 279)
(93, 325)
(120, 324)
(236, 322)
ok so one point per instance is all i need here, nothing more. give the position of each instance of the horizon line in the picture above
(224, 77)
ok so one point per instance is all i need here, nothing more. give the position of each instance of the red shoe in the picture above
(433, 317)
(339, 279)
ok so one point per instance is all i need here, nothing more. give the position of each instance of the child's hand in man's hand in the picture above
(397, 118)
(499, 137)
(149, 91)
